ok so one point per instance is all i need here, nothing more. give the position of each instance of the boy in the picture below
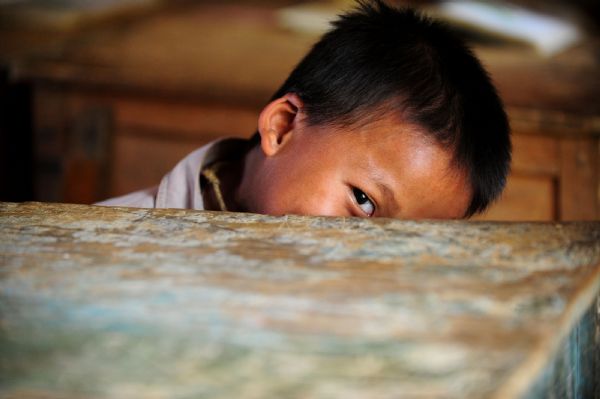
(388, 115)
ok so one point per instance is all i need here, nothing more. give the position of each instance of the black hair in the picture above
(382, 58)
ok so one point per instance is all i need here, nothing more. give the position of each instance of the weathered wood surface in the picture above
(115, 302)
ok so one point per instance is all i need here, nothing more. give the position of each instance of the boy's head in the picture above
(397, 101)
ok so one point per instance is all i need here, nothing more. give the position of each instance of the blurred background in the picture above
(102, 97)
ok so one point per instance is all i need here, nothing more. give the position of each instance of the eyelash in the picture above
(358, 193)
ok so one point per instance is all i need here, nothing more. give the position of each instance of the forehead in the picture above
(405, 163)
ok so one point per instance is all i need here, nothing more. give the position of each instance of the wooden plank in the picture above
(49, 141)
(117, 302)
(550, 123)
(239, 52)
(72, 145)
(230, 53)
(566, 82)
(526, 198)
(579, 179)
(535, 154)
(184, 120)
(578, 353)
(141, 162)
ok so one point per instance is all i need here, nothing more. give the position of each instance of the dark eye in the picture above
(363, 201)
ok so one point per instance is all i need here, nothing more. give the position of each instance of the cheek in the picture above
(305, 192)
(307, 181)
(303, 197)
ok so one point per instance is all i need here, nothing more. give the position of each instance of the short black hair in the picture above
(378, 57)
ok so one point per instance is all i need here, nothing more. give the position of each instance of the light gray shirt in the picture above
(181, 187)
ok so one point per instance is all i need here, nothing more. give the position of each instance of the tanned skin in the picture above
(384, 168)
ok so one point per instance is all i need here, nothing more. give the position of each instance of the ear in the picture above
(277, 121)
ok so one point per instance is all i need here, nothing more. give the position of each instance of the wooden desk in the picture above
(110, 303)
(117, 106)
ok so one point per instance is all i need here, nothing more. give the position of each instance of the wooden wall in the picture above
(115, 106)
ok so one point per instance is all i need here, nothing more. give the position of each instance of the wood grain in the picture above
(192, 73)
(526, 198)
(239, 54)
(142, 162)
(186, 121)
(580, 179)
(535, 154)
(116, 302)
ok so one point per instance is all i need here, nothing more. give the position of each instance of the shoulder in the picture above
(139, 199)
(180, 188)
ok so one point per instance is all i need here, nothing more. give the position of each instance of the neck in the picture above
(236, 182)
(248, 179)
(221, 181)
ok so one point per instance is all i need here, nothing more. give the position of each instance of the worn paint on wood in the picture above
(117, 302)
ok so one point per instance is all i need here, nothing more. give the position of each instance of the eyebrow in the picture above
(387, 192)
(375, 174)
